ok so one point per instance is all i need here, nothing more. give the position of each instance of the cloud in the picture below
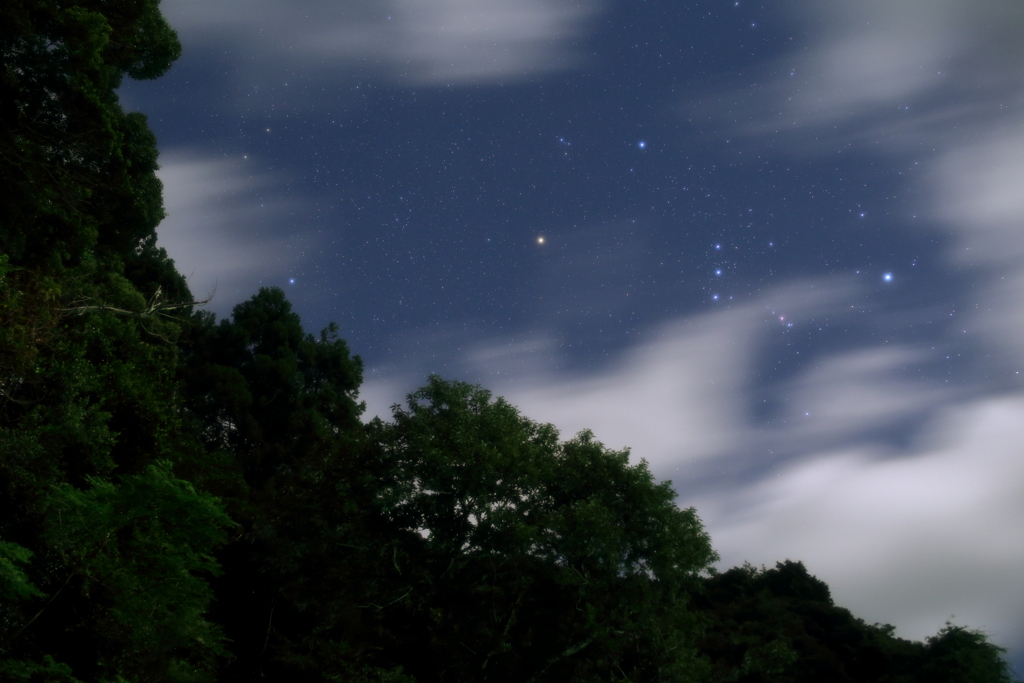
(873, 54)
(906, 535)
(910, 540)
(689, 372)
(849, 397)
(673, 398)
(978, 193)
(683, 400)
(891, 76)
(420, 42)
(222, 227)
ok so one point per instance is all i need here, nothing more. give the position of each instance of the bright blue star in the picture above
(887, 277)
(291, 281)
(641, 144)
(718, 272)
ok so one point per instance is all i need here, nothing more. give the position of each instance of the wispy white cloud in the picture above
(909, 536)
(855, 394)
(679, 398)
(221, 227)
(978, 192)
(871, 54)
(909, 540)
(915, 536)
(673, 398)
(891, 76)
(417, 41)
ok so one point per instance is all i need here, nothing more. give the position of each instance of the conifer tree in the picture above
(105, 551)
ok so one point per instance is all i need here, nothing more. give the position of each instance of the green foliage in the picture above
(145, 545)
(80, 194)
(463, 542)
(519, 557)
(14, 583)
(77, 169)
(124, 579)
(277, 414)
(90, 417)
(779, 626)
(265, 390)
(46, 671)
(960, 655)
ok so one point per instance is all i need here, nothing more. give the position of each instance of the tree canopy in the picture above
(525, 558)
(780, 625)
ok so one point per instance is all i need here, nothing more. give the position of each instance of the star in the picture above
(887, 277)
(540, 240)
(641, 144)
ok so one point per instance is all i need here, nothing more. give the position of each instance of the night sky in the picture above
(776, 249)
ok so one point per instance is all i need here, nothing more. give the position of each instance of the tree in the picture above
(77, 170)
(107, 548)
(81, 199)
(278, 415)
(466, 542)
(780, 625)
(264, 391)
(521, 558)
(960, 655)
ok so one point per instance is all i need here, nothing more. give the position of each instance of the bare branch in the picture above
(155, 306)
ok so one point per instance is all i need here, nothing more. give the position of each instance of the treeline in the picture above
(183, 499)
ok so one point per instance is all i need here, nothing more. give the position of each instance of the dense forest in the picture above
(185, 499)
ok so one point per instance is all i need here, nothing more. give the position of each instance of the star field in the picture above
(793, 230)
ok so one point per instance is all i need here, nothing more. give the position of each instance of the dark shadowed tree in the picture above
(465, 542)
(961, 655)
(104, 549)
(277, 412)
(79, 197)
(522, 558)
(780, 625)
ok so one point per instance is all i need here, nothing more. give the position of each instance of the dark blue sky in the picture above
(774, 248)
